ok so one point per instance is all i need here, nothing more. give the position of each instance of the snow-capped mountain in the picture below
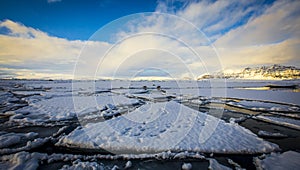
(264, 72)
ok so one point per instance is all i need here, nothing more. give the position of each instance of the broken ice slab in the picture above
(264, 106)
(157, 127)
(283, 121)
(68, 107)
(10, 139)
(286, 160)
(267, 134)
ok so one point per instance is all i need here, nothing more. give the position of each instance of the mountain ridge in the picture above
(275, 71)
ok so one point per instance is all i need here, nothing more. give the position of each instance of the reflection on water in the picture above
(255, 88)
(296, 90)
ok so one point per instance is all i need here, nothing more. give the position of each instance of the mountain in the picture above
(264, 72)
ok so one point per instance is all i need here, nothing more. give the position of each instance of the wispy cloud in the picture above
(52, 1)
(215, 17)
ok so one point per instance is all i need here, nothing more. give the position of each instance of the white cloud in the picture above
(28, 49)
(170, 43)
(52, 1)
(273, 37)
(270, 33)
(285, 52)
(149, 42)
(280, 22)
(217, 17)
(213, 17)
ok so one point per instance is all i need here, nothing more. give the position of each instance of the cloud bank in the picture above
(187, 42)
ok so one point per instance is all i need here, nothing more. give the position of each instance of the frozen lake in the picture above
(149, 124)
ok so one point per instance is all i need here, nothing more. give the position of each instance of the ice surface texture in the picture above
(166, 126)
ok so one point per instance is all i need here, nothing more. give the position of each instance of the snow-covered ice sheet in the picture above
(187, 88)
(287, 122)
(60, 108)
(275, 161)
(166, 126)
(64, 108)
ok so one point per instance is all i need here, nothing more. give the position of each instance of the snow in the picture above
(166, 126)
(9, 102)
(236, 165)
(115, 167)
(186, 166)
(128, 165)
(21, 160)
(29, 145)
(8, 113)
(283, 121)
(78, 165)
(237, 120)
(9, 139)
(273, 72)
(275, 161)
(152, 124)
(215, 165)
(263, 133)
(67, 107)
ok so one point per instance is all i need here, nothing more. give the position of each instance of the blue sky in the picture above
(79, 19)
(47, 38)
(71, 19)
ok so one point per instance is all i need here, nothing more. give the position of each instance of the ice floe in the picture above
(165, 126)
(78, 165)
(153, 96)
(128, 165)
(283, 121)
(264, 106)
(9, 139)
(142, 124)
(64, 108)
(286, 160)
(9, 102)
(21, 160)
(215, 165)
(29, 145)
(186, 166)
(263, 133)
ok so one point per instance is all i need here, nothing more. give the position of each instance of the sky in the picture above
(93, 39)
